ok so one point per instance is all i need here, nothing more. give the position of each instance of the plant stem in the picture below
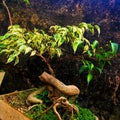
(48, 65)
(8, 11)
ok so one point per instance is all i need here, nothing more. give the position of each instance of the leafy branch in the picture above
(18, 40)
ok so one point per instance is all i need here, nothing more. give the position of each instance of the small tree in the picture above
(18, 40)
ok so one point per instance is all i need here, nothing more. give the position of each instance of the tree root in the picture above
(61, 102)
(31, 99)
(56, 88)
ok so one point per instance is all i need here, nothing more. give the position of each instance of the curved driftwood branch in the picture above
(56, 88)
(70, 90)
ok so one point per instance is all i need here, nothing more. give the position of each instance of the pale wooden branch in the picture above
(32, 99)
(70, 90)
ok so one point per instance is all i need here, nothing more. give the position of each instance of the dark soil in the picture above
(102, 96)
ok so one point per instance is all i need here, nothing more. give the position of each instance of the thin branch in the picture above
(8, 11)
(48, 65)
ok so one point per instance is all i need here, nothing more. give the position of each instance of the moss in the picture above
(36, 113)
(84, 114)
(44, 96)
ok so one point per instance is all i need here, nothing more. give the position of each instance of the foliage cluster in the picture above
(27, 1)
(18, 40)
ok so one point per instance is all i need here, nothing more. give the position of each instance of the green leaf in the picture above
(89, 53)
(83, 25)
(56, 36)
(89, 78)
(60, 42)
(1, 37)
(99, 69)
(42, 49)
(58, 52)
(92, 31)
(109, 62)
(27, 1)
(11, 58)
(33, 53)
(91, 28)
(99, 56)
(54, 28)
(28, 49)
(42, 31)
(83, 68)
(95, 43)
(16, 60)
(7, 35)
(22, 48)
(86, 40)
(52, 52)
(4, 51)
(91, 66)
(53, 44)
(114, 47)
(2, 46)
(86, 48)
(98, 29)
(75, 46)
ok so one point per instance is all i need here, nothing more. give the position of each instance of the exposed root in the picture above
(56, 88)
(64, 103)
(31, 99)
(56, 112)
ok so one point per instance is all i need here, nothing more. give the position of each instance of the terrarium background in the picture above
(103, 93)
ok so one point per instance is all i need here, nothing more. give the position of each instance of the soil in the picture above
(17, 99)
(102, 96)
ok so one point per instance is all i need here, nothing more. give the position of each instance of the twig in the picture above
(48, 65)
(45, 111)
(8, 11)
(56, 112)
